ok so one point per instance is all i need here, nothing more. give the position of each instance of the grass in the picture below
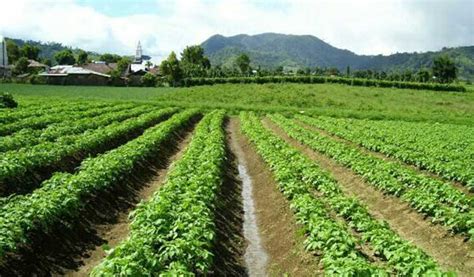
(327, 99)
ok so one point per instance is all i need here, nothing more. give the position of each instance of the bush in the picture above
(148, 80)
(320, 80)
(7, 101)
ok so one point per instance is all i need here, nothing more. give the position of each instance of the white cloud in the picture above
(365, 27)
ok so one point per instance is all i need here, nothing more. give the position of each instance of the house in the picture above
(101, 67)
(72, 75)
(35, 66)
(5, 69)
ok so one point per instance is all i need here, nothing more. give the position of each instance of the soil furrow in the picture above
(230, 243)
(113, 234)
(280, 234)
(73, 246)
(386, 157)
(452, 252)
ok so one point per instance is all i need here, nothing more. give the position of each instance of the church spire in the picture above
(138, 53)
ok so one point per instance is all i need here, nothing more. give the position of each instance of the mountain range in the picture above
(271, 50)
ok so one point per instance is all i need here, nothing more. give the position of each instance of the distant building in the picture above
(5, 69)
(101, 67)
(138, 54)
(72, 75)
(35, 66)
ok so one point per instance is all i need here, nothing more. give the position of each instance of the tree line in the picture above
(194, 64)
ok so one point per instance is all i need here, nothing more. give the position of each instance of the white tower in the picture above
(3, 52)
(138, 53)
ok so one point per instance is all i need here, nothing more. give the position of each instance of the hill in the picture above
(271, 50)
(48, 49)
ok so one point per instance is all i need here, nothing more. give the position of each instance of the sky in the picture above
(364, 26)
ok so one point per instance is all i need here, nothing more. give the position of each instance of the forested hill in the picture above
(271, 50)
(48, 49)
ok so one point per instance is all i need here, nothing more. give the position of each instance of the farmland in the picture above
(236, 179)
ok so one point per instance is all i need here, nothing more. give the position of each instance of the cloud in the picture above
(365, 27)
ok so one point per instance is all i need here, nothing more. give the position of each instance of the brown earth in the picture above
(113, 234)
(75, 243)
(230, 243)
(451, 252)
(457, 185)
(281, 235)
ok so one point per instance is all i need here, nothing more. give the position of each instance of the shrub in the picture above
(7, 101)
(148, 80)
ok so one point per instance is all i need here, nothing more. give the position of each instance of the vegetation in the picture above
(65, 57)
(297, 177)
(319, 80)
(165, 157)
(444, 69)
(442, 202)
(419, 144)
(47, 50)
(82, 57)
(7, 101)
(172, 70)
(180, 215)
(321, 99)
(292, 52)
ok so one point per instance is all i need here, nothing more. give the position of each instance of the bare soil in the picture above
(113, 234)
(230, 242)
(452, 252)
(282, 237)
(75, 244)
(457, 185)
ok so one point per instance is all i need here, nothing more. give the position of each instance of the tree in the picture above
(423, 75)
(82, 57)
(193, 61)
(46, 61)
(123, 64)
(21, 66)
(29, 51)
(110, 58)
(148, 64)
(171, 69)
(65, 57)
(13, 51)
(148, 80)
(444, 69)
(243, 63)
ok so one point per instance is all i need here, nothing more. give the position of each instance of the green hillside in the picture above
(271, 50)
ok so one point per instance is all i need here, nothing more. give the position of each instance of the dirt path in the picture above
(280, 235)
(229, 216)
(451, 252)
(113, 234)
(385, 157)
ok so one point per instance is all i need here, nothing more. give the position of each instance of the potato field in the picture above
(117, 187)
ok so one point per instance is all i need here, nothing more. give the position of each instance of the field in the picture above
(236, 180)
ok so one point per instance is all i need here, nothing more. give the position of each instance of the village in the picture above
(93, 72)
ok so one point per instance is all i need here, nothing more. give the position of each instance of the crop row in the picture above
(172, 234)
(314, 196)
(41, 108)
(321, 80)
(17, 166)
(444, 149)
(43, 121)
(444, 192)
(30, 137)
(436, 199)
(62, 195)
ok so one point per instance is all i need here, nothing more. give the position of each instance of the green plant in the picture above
(7, 101)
